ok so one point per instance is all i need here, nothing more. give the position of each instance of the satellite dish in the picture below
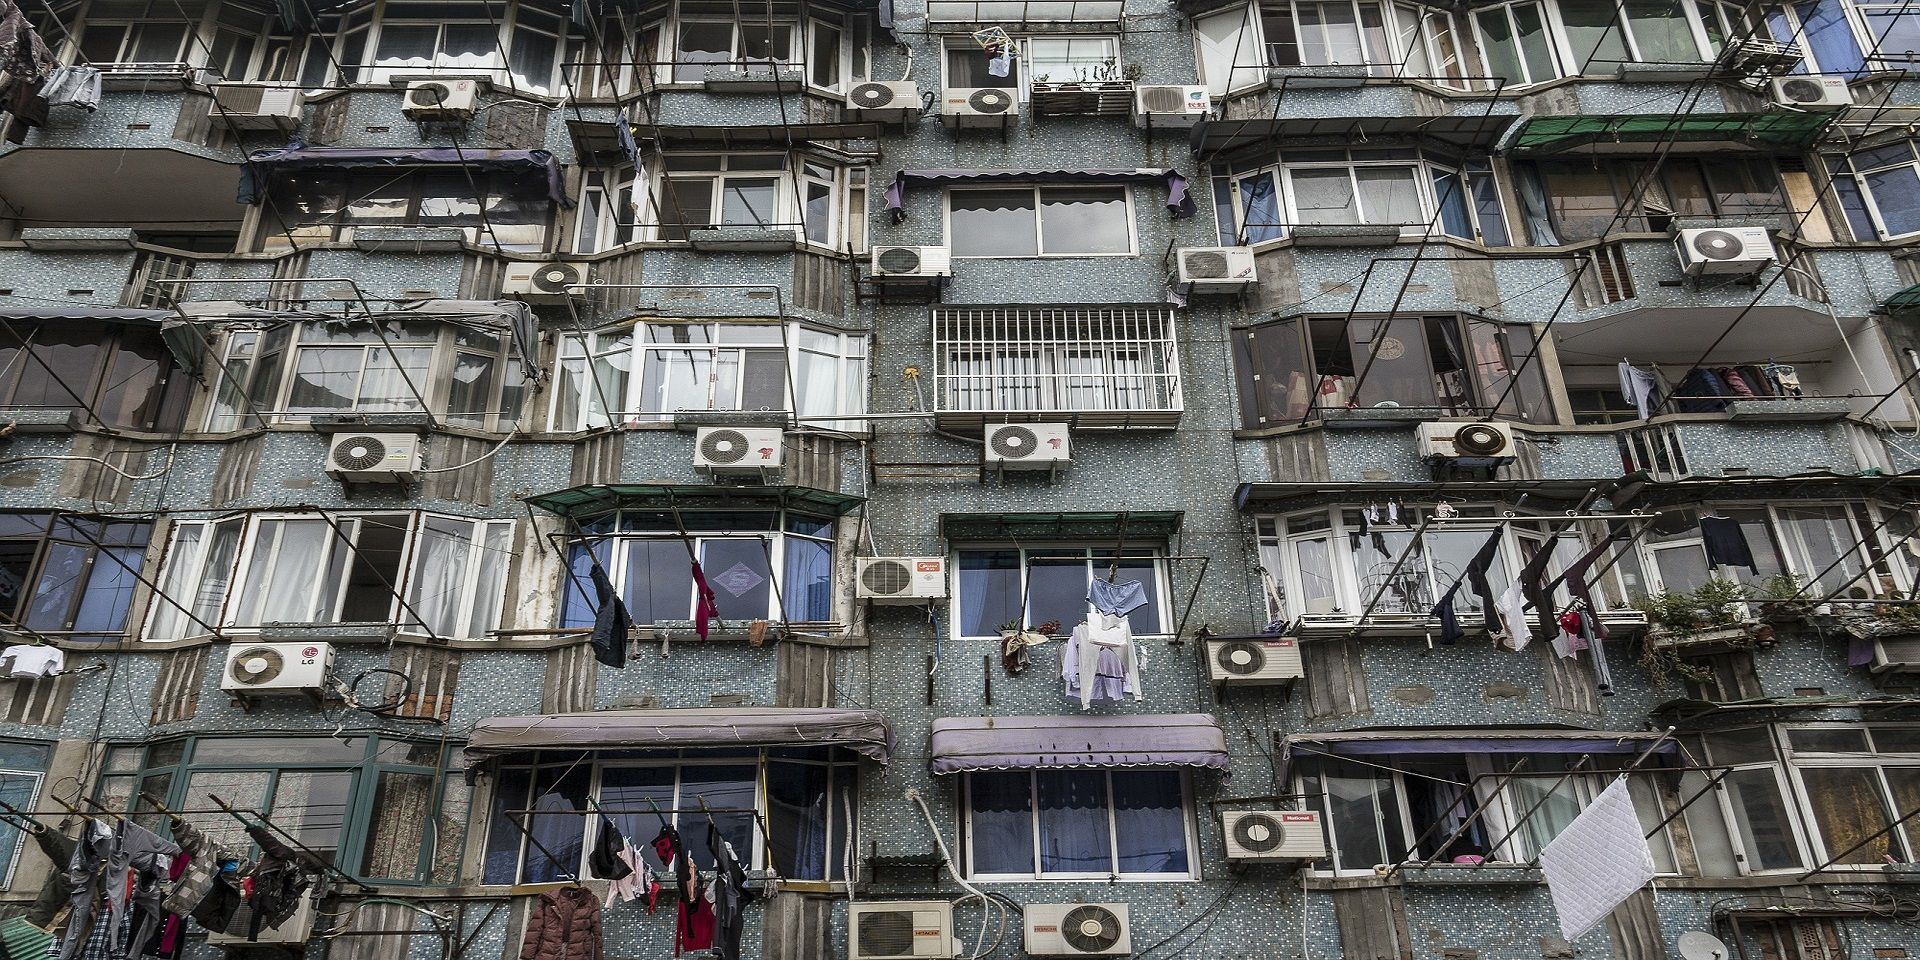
(1701, 945)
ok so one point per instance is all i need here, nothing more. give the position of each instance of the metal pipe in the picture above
(1869, 838)
(1398, 562)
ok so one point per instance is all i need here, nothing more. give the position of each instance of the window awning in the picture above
(1373, 743)
(865, 732)
(1634, 132)
(1904, 300)
(961, 744)
(185, 343)
(1030, 527)
(1179, 202)
(600, 498)
(1462, 132)
(1640, 490)
(1017, 13)
(261, 165)
(511, 316)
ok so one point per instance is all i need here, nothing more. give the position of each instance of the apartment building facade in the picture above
(882, 359)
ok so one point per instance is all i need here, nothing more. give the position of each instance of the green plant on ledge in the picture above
(1717, 603)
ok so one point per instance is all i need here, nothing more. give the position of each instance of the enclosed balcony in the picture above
(1087, 366)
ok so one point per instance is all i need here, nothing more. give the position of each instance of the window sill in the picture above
(1052, 256)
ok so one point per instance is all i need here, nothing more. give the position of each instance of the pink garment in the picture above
(629, 888)
(170, 934)
(706, 607)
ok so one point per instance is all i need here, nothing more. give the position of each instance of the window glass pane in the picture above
(741, 577)
(1071, 60)
(824, 65)
(1660, 31)
(1486, 208)
(1826, 31)
(1388, 195)
(1073, 830)
(1325, 196)
(730, 791)
(17, 790)
(1150, 822)
(1847, 805)
(990, 591)
(992, 223)
(109, 591)
(819, 212)
(555, 839)
(1761, 816)
(533, 59)
(748, 201)
(1893, 31)
(967, 67)
(688, 203)
(1533, 42)
(797, 810)
(244, 790)
(1056, 590)
(1594, 35)
(762, 42)
(701, 44)
(1261, 216)
(1827, 740)
(660, 581)
(1553, 802)
(1905, 785)
(313, 807)
(1000, 823)
(1496, 35)
(1452, 200)
(160, 42)
(630, 795)
(405, 45)
(808, 585)
(1084, 220)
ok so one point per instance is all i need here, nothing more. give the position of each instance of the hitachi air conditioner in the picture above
(374, 457)
(1216, 269)
(1465, 439)
(912, 262)
(295, 930)
(978, 106)
(440, 99)
(1250, 661)
(1812, 92)
(542, 282)
(1077, 930)
(1724, 250)
(738, 449)
(1896, 655)
(1176, 106)
(252, 106)
(1027, 446)
(887, 101)
(277, 667)
(901, 930)
(901, 579)
(1273, 835)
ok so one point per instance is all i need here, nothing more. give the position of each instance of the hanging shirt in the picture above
(1450, 632)
(610, 625)
(1513, 616)
(1000, 64)
(28, 661)
(706, 607)
(1726, 543)
(1640, 388)
(1101, 662)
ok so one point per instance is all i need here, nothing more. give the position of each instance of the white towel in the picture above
(1599, 860)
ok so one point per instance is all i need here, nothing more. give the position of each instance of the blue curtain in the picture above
(1074, 835)
(1830, 38)
(808, 586)
(1262, 200)
(797, 811)
(1453, 205)
(1149, 821)
(1001, 828)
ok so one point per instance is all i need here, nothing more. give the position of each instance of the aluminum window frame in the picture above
(1039, 194)
(1797, 762)
(1057, 553)
(500, 68)
(617, 558)
(1188, 819)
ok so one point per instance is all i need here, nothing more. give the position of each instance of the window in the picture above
(1391, 39)
(1053, 221)
(820, 203)
(70, 575)
(1752, 802)
(1378, 186)
(760, 564)
(380, 808)
(415, 37)
(1880, 191)
(1893, 33)
(715, 33)
(336, 568)
(1590, 199)
(647, 373)
(1053, 60)
(140, 31)
(1033, 585)
(805, 798)
(22, 767)
(1230, 51)
(1801, 539)
(323, 207)
(1514, 42)
(1091, 824)
(1469, 203)
(113, 374)
(1120, 361)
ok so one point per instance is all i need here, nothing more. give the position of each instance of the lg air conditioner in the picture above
(1896, 655)
(1170, 106)
(1253, 661)
(903, 580)
(913, 262)
(1724, 250)
(1077, 930)
(887, 101)
(440, 99)
(901, 930)
(1273, 835)
(254, 668)
(543, 282)
(293, 931)
(1217, 269)
(1812, 92)
(1455, 440)
(1027, 446)
(978, 106)
(252, 106)
(374, 457)
(738, 449)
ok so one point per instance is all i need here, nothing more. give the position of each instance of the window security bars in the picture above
(1088, 366)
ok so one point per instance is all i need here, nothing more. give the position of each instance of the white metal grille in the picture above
(1091, 366)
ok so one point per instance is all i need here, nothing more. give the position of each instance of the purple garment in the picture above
(1859, 652)
(1110, 673)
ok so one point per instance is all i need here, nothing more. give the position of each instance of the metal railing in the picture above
(1092, 365)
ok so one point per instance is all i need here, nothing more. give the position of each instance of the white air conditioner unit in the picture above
(901, 930)
(293, 931)
(277, 667)
(901, 579)
(1812, 92)
(1249, 661)
(978, 106)
(1027, 446)
(1455, 440)
(542, 282)
(1273, 835)
(1724, 250)
(1896, 655)
(739, 449)
(252, 106)
(440, 99)
(887, 101)
(1217, 269)
(1077, 930)
(1174, 106)
(912, 262)
(374, 457)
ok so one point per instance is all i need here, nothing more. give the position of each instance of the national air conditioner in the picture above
(1170, 106)
(1249, 661)
(903, 580)
(1273, 835)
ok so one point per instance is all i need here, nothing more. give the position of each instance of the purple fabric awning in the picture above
(1179, 201)
(865, 732)
(261, 165)
(961, 744)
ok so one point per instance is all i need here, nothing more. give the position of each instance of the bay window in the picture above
(1516, 43)
(1588, 199)
(1374, 186)
(429, 38)
(1857, 779)
(327, 206)
(1230, 51)
(1028, 586)
(117, 374)
(70, 575)
(1404, 40)
(1041, 221)
(23, 767)
(760, 564)
(150, 32)
(1814, 543)
(1121, 824)
(819, 202)
(1879, 189)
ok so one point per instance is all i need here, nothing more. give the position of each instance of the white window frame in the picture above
(1552, 33)
(1039, 191)
(469, 607)
(1056, 553)
(1244, 61)
(1113, 838)
(1797, 763)
(1022, 74)
(1392, 58)
(646, 191)
(21, 838)
(498, 66)
(1790, 545)
(1281, 173)
(1786, 789)
(1859, 176)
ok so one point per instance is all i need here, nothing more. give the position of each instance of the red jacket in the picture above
(564, 925)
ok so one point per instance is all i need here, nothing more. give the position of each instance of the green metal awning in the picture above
(600, 498)
(1905, 300)
(1131, 524)
(1758, 131)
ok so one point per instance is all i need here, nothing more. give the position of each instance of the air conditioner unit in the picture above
(978, 106)
(277, 667)
(887, 101)
(1812, 92)
(738, 449)
(542, 282)
(1455, 440)
(1896, 655)
(901, 930)
(1027, 446)
(1077, 930)
(440, 99)
(1724, 250)
(912, 262)
(901, 579)
(1250, 661)
(374, 457)
(251, 106)
(293, 931)
(1217, 269)
(1176, 106)
(1273, 835)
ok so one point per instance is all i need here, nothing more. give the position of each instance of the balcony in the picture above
(1086, 366)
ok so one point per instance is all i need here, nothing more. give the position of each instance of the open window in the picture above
(822, 203)
(1032, 585)
(761, 564)
(116, 373)
(67, 575)
(1377, 186)
(1385, 39)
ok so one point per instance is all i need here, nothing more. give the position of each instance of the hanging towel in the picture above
(1726, 544)
(1000, 64)
(1513, 616)
(75, 86)
(1597, 862)
(1640, 387)
(610, 625)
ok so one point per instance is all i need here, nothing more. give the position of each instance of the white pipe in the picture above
(987, 903)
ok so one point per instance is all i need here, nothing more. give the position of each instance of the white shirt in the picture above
(27, 661)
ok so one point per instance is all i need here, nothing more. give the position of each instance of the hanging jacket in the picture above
(730, 896)
(280, 879)
(103, 863)
(610, 625)
(605, 862)
(57, 890)
(563, 924)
